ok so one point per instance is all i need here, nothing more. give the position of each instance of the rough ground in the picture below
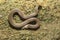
(49, 20)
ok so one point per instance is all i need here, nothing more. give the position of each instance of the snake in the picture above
(28, 18)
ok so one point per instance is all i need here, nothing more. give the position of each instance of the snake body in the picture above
(28, 19)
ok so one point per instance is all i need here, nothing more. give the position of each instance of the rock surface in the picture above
(49, 20)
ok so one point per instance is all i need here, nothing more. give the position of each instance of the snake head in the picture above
(25, 27)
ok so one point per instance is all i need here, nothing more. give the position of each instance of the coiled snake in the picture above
(28, 18)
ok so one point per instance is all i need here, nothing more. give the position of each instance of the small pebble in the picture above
(0, 16)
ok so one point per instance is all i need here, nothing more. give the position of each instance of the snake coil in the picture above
(28, 18)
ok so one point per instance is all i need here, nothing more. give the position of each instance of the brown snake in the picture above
(28, 18)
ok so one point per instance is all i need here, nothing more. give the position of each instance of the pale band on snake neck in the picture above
(28, 19)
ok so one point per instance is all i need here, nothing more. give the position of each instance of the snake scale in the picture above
(28, 18)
